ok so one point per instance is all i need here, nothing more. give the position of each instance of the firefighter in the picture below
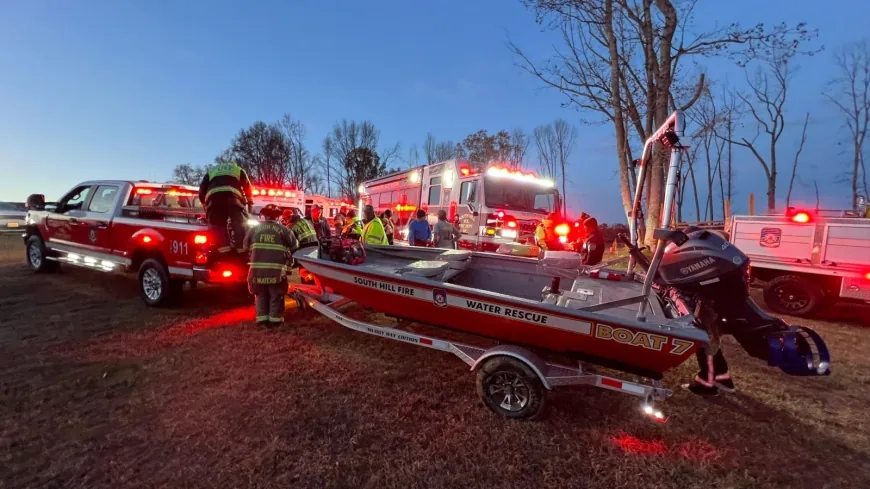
(321, 225)
(578, 233)
(303, 231)
(592, 250)
(340, 220)
(389, 227)
(545, 233)
(225, 192)
(270, 244)
(286, 217)
(373, 233)
(353, 226)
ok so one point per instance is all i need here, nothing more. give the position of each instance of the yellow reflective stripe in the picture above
(222, 188)
(225, 169)
(267, 246)
(262, 318)
(268, 266)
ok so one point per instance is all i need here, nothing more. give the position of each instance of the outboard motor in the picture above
(700, 266)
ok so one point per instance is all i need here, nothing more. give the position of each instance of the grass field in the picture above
(99, 391)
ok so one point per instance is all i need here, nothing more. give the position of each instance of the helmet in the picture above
(590, 224)
(270, 211)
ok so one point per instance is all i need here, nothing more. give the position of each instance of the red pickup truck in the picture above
(155, 230)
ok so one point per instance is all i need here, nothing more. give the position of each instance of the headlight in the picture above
(508, 233)
(253, 222)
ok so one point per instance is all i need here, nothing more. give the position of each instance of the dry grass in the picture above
(96, 390)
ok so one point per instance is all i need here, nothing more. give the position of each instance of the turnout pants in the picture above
(228, 220)
(711, 368)
(269, 302)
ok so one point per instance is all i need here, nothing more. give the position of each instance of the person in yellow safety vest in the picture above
(270, 244)
(545, 234)
(225, 192)
(353, 226)
(304, 231)
(373, 232)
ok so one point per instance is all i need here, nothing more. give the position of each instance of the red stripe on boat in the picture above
(611, 383)
(426, 341)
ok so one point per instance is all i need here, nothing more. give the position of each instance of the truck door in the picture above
(469, 213)
(62, 225)
(97, 219)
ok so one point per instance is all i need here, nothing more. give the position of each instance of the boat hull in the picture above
(612, 341)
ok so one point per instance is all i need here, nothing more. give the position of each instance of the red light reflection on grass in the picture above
(632, 444)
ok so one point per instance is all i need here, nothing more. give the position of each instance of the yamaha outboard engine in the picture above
(702, 267)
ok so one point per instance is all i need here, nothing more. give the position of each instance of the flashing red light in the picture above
(201, 258)
(255, 192)
(144, 191)
(867, 275)
(227, 273)
(563, 229)
(576, 224)
(801, 217)
(465, 171)
(146, 239)
(512, 224)
(271, 193)
(200, 239)
(500, 214)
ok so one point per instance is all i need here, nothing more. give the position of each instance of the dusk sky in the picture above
(123, 89)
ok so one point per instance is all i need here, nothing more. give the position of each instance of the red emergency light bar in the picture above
(273, 192)
(405, 208)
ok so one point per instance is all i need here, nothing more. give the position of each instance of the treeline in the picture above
(278, 155)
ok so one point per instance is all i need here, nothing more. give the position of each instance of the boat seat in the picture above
(425, 268)
(561, 259)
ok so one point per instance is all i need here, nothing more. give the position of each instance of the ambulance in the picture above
(490, 206)
(284, 198)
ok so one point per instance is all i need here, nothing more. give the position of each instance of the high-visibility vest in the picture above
(226, 177)
(304, 231)
(270, 242)
(353, 226)
(374, 233)
(541, 236)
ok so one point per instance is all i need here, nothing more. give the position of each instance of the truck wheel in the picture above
(37, 256)
(156, 287)
(793, 295)
(510, 388)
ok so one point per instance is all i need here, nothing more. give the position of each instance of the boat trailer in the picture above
(511, 380)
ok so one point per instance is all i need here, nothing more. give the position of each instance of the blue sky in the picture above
(129, 89)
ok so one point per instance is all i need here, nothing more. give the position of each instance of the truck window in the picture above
(167, 199)
(466, 192)
(75, 199)
(104, 199)
(520, 196)
(434, 191)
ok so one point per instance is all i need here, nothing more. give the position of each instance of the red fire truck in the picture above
(494, 206)
(154, 230)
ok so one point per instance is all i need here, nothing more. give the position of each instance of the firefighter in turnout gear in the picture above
(353, 226)
(270, 244)
(303, 231)
(545, 234)
(225, 192)
(373, 233)
(592, 251)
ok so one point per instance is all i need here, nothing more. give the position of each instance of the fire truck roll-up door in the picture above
(777, 240)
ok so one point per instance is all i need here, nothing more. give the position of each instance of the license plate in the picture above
(12, 224)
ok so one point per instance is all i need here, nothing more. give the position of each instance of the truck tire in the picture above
(510, 388)
(37, 256)
(155, 285)
(793, 295)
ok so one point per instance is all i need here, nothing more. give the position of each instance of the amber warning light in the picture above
(801, 217)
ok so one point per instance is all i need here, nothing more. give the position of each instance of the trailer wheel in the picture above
(510, 388)
(793, 295)
(37, 256)
(155, 285)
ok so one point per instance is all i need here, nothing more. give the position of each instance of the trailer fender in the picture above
(533, 361)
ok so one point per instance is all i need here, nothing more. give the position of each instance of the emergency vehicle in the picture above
(808, 259)
(155, 230)
(284, 198)
(491, 207)
(331, 207)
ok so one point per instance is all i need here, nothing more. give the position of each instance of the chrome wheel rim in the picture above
(35, 256)
(151, 284)
(508, 390)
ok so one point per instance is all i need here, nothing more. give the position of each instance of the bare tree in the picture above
(518, 148)
(796, 157)
(850, 93)
(187, 174)
(554, 143)
(688, 170)
(327, 161)
(429, 148)
(766, 104)
(413, 156)
(621, 59)
(445, 150)
(300, 159)
(347, 137)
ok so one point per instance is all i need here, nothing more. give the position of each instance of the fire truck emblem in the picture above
(439, 297)
(92, 235)
(770, 237)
